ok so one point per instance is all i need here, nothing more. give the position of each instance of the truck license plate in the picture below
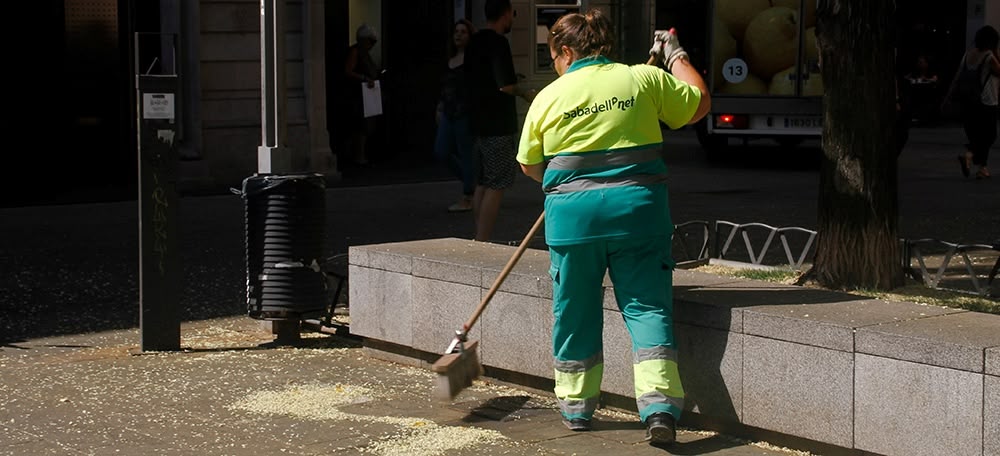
(804, 122)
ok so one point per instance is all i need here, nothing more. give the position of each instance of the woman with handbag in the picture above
(979, 115)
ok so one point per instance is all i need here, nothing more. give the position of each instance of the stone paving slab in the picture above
(691, 307)
(517, 333)
(754, 293)
(905, 408)
(957, 340)
(991, 409)
(716, 302)
(46, 448)
(530, 275)
(391, 294)
(447, 271)
(437, 310)
(831, 325)
(993, 361)
(798, 390)
(711, 361)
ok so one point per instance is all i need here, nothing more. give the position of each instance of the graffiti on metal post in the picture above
(160, 221)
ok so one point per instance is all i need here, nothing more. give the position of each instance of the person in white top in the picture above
(980, 119)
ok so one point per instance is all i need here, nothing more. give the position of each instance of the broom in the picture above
(460, 364)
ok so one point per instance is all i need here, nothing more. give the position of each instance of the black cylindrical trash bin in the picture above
(285, 237)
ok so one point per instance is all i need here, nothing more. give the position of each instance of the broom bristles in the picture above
(456, 371)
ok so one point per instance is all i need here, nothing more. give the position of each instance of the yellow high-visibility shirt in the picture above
(587, 122)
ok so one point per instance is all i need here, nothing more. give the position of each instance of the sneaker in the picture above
(461, 206)
(660, 429)
(577, 424)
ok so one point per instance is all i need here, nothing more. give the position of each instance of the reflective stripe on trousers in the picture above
(578, 385)
(643, 279)
(657, 381)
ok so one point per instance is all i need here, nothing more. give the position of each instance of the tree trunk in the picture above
(857, 243)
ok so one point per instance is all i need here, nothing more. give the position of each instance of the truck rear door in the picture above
(764, 76)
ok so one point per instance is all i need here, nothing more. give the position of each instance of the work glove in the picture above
(667, 47)
(657, 49)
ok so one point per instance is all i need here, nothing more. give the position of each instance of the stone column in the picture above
(321, 157)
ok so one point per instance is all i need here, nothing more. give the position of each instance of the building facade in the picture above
(85, 53)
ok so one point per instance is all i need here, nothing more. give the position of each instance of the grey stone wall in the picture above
(891, 378)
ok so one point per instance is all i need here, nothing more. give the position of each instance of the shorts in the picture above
(497, 162)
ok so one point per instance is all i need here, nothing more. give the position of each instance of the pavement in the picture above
(231, 392)
(73, 382)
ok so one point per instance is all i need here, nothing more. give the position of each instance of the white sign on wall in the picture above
(157, 106)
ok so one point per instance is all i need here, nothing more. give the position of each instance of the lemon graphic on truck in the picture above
(765, 79)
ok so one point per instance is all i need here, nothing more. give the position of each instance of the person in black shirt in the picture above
(492, 85)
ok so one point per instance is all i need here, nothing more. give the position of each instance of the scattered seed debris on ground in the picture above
(414, 436)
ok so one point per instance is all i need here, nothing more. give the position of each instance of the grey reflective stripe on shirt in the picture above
(658, 352)
(594, 160)
(574, 367)
(593, 183)
(656, 397)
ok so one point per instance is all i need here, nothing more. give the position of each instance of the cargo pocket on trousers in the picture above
(668, 263)
(554, 274)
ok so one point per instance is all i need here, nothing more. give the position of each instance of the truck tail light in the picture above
(733, 121)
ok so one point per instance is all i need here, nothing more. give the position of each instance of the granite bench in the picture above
(850, 372)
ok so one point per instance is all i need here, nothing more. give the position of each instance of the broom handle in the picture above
(503, 274)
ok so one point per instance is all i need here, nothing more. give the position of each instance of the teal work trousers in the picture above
(641, 271)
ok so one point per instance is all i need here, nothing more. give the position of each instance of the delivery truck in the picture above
(763, 73)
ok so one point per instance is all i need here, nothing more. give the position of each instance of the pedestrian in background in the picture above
(492, 82)
(592, 138)
(360, 69)
(979, 119)
(904, 110)
(453, 142)
(921, 87)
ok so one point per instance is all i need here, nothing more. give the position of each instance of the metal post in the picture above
(272, 155)
(159, 271)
